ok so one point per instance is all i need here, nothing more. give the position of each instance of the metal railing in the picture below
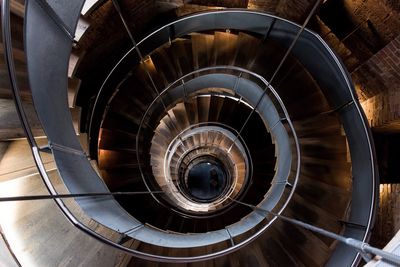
(246, 152)
(214, 70)
(362, 247)
(175, 143)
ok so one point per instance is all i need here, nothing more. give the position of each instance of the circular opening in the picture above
(206, 180)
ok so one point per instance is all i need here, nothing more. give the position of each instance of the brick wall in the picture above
(381, 72)
(383, 17)
(378, 83)
(365, 26)
(267, 6)
(388, 219)
(348, 58)
(138, 13)
(296, 10)
(383, 111)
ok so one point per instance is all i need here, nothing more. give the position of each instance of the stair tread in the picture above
(202, 50)
(223, 48)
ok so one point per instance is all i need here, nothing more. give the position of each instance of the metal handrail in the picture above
(69, 215)
(248, 155)
(65, 210)
(42, 171)
(366, 129)
(183, 136)
(207, 70)
(372, 212)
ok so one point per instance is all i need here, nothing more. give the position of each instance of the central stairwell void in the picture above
(210, 128)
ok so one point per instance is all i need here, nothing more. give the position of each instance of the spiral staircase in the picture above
(223, 138)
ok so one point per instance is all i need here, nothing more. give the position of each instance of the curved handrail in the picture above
(216, 68)
(70, 216)
(367, 130)
(321, 44)
(180, 20)
(149, 256)
(348, 87)
(248, 155)
(196, 129)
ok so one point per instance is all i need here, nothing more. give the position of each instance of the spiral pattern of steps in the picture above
(196, 99)
(223, 105)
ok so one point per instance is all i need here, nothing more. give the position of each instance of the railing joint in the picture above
(171, 30)
(125, 235)
(123, 239)
(230, 237)
(66, 149)
(353, 225)
(269, 30)
(56, 19)
(289, 185)
(339, 108)
(366, 256)
(275, 124)
(45, 149)
(185, 95)
(237, 82)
